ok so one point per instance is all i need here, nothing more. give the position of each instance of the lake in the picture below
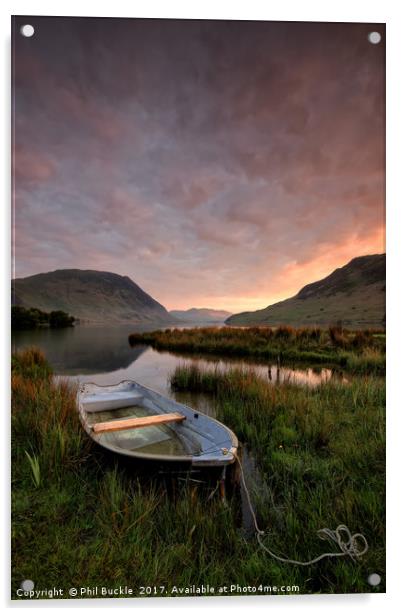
(103, 355)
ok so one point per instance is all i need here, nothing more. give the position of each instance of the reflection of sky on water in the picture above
(152, 368)
(103, 356)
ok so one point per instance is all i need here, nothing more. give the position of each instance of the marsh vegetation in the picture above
(357, 351)
(79, 520)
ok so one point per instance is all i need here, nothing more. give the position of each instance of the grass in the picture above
(35, 467)
(356, 351)
(80, 521)
(322, 454)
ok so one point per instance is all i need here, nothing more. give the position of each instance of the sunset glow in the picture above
(218, 164)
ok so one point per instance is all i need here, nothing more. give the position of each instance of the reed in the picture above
(357, 351)
(35, 468)
(321, 451)
(86, 523)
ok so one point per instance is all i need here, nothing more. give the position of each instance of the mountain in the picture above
(353, 294)
(201, 315)
(89, 295)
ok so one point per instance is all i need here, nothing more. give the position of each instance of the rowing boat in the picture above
(136, 422)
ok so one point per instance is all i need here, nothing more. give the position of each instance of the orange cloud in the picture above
(292, 277)
(210, 172)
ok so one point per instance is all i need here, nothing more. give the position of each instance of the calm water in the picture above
(103, 356)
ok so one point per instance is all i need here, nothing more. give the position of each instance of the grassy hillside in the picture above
(89, 295)
(353, 294)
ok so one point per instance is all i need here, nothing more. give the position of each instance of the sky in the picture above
(218, 164)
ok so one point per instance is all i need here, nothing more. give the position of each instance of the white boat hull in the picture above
(198, 440)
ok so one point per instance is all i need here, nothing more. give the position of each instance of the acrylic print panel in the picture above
(198, 215)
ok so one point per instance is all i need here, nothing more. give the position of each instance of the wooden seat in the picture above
(137, 422)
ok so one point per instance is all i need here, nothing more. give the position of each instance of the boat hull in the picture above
(199, 441)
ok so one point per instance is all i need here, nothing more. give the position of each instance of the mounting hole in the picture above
(374, 38)
(27, 585)
(374, 579)
(27, 30)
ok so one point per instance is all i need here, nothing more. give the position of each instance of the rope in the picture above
(347, 543)
(214, 448)
(348, 547)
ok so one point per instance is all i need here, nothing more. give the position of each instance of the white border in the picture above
(308, 10)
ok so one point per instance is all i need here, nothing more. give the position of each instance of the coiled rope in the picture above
(348, 543)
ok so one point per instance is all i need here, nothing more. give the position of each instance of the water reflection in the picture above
(103, 355)
(82, 350)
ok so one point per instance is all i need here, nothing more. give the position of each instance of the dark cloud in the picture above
(223, 161)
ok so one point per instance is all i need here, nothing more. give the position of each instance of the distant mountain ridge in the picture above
(353, 294)
(201, 315)
(89, 295)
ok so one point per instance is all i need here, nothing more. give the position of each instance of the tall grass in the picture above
(35, 468)
(80, 521)
(86, 522)
(360, 351)
(322, 452)
(44, 417)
